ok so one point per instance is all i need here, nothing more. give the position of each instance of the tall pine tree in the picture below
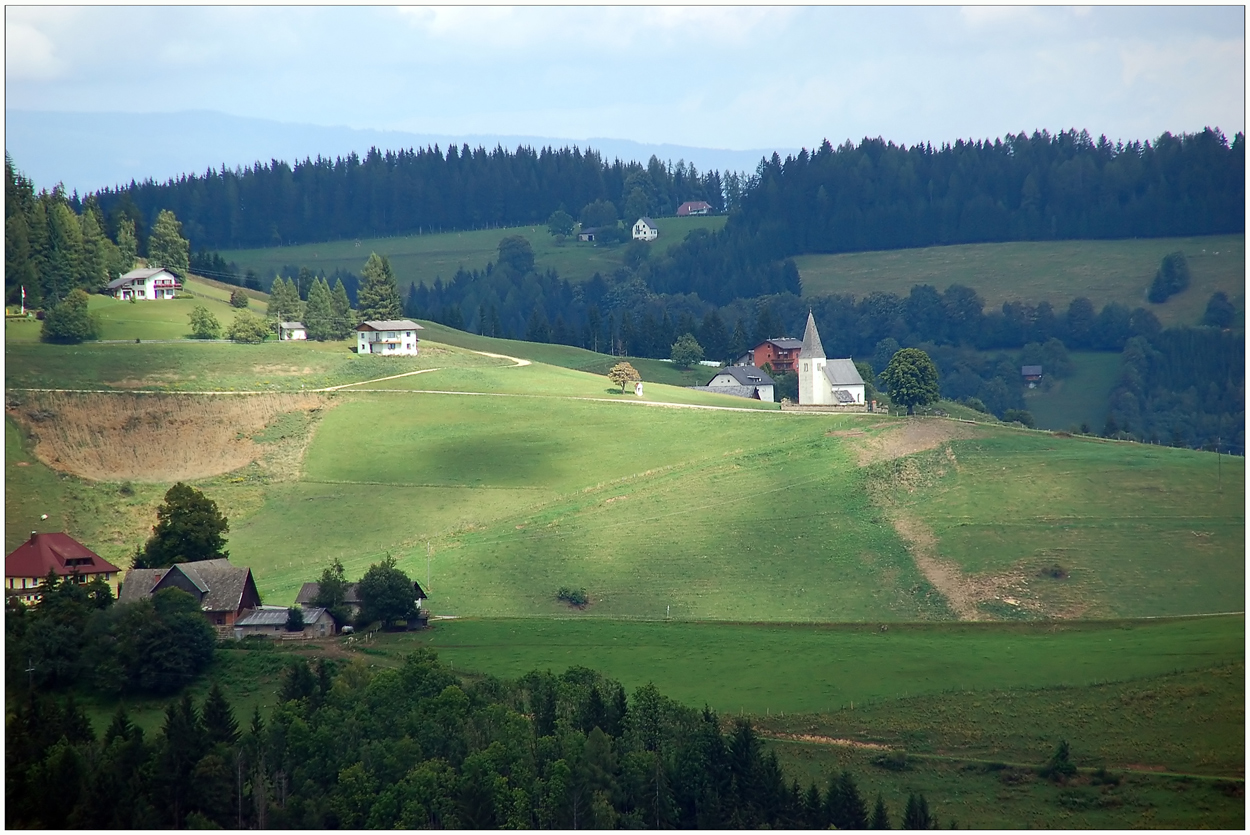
(378, 298)
(319, 311)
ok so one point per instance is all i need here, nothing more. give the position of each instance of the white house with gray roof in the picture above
(146, 284)
(389, 337)
(826, 382)
(742, 381)
(645, 230)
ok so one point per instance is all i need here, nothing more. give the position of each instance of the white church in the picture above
(826, 382)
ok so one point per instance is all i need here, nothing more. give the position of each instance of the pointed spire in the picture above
(812, 349)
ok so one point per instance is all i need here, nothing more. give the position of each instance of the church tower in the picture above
(814, 390)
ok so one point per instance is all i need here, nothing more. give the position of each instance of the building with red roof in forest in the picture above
(26, 568)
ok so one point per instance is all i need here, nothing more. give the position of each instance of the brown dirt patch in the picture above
(155, 438)
(829, 740)
(914, 435)
(962, 592)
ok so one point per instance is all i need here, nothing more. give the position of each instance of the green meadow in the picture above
(423, 257)
(1079, 399)
(1058, 271)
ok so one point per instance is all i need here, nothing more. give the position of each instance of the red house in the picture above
(780, 354)
(693, 207)
(28, 565)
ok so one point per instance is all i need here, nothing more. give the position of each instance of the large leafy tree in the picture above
(378, 297)
(686, 351)
(166, 246)
(332, 592)
(911, 378)
(515, 252)
(189, 528)
(386, 594)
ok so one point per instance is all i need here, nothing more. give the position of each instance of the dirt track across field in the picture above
(912, 435)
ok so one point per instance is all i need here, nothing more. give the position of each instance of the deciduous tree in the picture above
(69, 322)
(189, 528)
(622, 374)
(386, 594)
(204, 325)
(911, 378)
(686, 351)
(248, 328)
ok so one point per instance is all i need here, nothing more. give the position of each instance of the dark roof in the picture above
(812, 349)
(142, 272)
(692, 204)
(736, 391)
(646, 220)
(389, 325)
(277, 616)
(56, 551)
(843, 373)
(421, 595)
(1031, 370)
(746, 375)
(783, 342)
(308, 593)
(843, 396)
(221, 585)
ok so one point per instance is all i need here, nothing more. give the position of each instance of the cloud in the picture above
(29, 54)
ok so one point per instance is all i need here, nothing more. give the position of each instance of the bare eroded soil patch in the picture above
(150, 437)
(914, 435)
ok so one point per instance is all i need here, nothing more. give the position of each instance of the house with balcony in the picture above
(146, 284)
(389, 337)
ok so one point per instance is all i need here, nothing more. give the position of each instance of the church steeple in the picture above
(812, 349)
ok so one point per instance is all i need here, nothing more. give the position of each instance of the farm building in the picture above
(271, 622)
(146, 284)
(390, 337)
(826, 382)
(644, 230)
(351, 596)
(780, 354)
(27, 566)
(742, 381)
(1032, 374)
(693, 207)
(291, 330)
(225, 591)
(587, 234)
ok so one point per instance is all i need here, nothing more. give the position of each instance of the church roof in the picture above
(843, 373)
(812, 349)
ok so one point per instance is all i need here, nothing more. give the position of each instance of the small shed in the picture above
(588, 234)
(291, 330)
(271, 622)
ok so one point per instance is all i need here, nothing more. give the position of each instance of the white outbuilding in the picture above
(389, 337)
(291, 330)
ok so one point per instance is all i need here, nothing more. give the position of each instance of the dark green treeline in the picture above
(412, 747)
(405, 191)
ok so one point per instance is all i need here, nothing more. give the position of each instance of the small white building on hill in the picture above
(645, 230)
(291, 330)
(146, 284)
(390, 337)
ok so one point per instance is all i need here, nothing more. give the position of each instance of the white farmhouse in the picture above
(826, 382)
(291, 330)
(390, 337)
(742, 381)
(146, 284)
(644, 230)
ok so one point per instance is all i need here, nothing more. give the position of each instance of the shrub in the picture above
(204, 325)
(1172, 278)
(1060, 765)
(248, 328)
(573, 597)
(69, 322)
(1019, 416)
(238, 298)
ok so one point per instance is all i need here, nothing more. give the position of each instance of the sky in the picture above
(737, 77)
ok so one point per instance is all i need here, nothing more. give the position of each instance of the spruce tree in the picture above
(219, 722)
(319, 311)
(341, 308)
(127, 245)
(880, 818)
(378, 297)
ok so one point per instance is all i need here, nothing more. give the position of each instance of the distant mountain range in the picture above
(90, 151)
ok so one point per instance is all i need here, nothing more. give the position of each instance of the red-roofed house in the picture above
(693, 207)
(28, 565)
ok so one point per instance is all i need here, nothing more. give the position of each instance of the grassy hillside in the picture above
(422, 257)
(1080, 399)
(1103, 271)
